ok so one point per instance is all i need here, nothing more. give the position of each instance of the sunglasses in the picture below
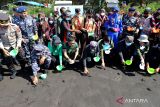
(3, 21)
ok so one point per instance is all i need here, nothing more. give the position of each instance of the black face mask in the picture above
(89, 17)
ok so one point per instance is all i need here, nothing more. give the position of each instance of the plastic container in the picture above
(35, 37)
(59, 67)
(151, 70)
(128, 62)
(96, 59)
(13, 52)
(43, 76)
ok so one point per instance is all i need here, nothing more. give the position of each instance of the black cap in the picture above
(132, 9)
(4, 17)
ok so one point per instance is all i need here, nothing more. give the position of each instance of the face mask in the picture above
(141, 28)
(68, 19)
(128, 44)
(51, 22)
(102, 14)
(106, 43)
(89, 17)
(92, 50)
(142, 47)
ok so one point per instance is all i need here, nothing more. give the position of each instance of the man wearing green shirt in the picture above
(71, 50)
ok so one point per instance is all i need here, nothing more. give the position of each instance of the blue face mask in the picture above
(128, 44)
(141, 28)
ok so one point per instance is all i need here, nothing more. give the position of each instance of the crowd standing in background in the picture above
(128, 41)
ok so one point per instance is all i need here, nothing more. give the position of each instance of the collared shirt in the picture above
(10, 37)
(70, 49)
(27, 26)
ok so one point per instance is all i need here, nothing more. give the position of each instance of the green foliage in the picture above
(33, 10)
(154, 6)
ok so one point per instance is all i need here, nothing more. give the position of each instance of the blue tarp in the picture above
(29, 3)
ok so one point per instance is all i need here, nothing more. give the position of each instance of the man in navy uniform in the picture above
(40, 57)
(28, 28)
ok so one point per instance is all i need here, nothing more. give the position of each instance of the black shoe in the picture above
(13, 75)
(1, 77)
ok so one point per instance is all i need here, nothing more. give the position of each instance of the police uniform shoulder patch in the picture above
(15, 27)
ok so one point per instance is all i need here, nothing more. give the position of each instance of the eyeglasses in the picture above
(3, 21)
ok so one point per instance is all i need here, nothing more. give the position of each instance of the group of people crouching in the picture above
(58, 41)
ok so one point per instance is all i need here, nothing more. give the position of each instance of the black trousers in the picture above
(82, 38)
(10, 61)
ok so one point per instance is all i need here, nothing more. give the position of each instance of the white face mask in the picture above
(51, 22)
(128, 44)
(142, 47)
(102, 14)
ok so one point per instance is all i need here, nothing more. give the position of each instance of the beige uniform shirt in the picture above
(10, 37)
(78, 22)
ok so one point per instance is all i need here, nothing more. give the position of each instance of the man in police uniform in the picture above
(10, 38)
(28, 28)
(130, 23)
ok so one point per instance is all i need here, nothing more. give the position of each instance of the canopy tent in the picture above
(28, 3)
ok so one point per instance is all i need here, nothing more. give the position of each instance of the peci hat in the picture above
(131, 9)
(115, 9)
(143, 38)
